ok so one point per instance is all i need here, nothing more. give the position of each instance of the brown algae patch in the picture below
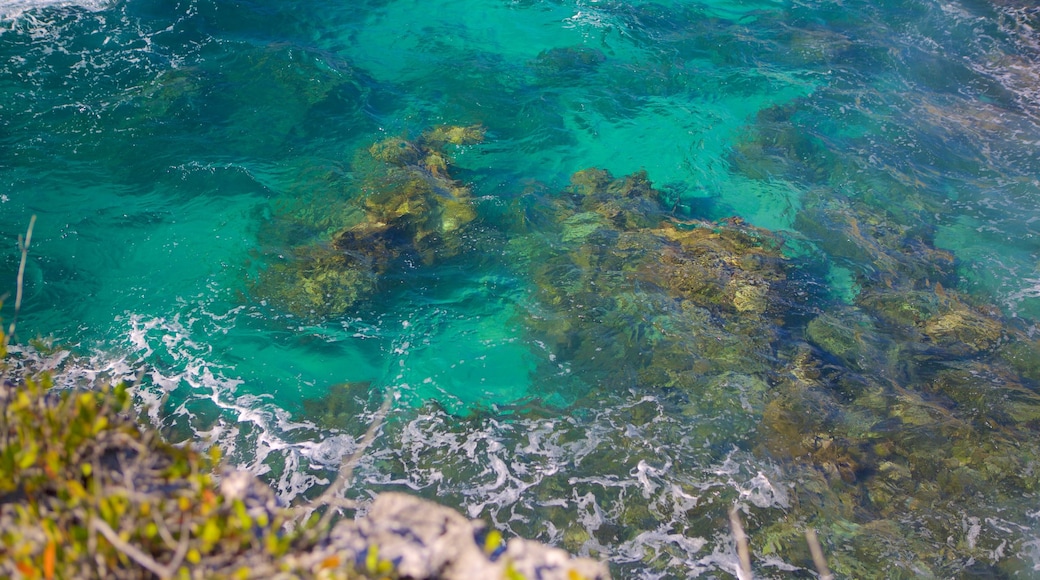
(404, 201)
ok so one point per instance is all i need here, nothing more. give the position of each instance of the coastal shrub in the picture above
(85, 491)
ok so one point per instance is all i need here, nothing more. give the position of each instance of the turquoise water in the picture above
(865, 363)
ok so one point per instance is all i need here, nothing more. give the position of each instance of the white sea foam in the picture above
(14, 9)
(1017, 70)
(164, 361)
(509, 472)
(587, 471)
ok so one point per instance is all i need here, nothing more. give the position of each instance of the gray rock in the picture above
(424, 540)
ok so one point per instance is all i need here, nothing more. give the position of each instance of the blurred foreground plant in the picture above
(83, 490)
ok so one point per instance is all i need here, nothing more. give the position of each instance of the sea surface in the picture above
(621, 266)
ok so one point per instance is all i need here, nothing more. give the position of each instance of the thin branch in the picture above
(744, 573)
(132, 552)
(164, 532)
(817, 555)
(23, 245)
(182, 548)
(330, 498)
(342, 503)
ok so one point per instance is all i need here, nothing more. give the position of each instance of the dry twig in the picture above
(330, 497)
(744, 573)
(23, 245)
(133, 553)
(817, 555)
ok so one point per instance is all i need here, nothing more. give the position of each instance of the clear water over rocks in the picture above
(622, 265)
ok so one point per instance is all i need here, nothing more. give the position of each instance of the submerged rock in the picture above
(405, 202)
(848, 336)
(938, 317)
(884, 251)
(315, 282)
(730, 265)
(629, 296)
(567, 63)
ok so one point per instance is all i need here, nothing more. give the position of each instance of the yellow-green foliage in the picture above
(74, 465)
(85, 491)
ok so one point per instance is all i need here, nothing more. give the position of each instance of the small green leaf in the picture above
(28, 455)
(512, 573)
(492, 542)
(372, 558)
(244, 521)
(211, 533)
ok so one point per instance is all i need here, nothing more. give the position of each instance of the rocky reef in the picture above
(633, 296)
(901, 408)
(404, 202)
(897, 410)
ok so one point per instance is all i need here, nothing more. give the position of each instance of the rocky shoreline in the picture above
(87, 491)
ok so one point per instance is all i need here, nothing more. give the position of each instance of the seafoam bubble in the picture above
(1030, 552)
(254, 431)
(545, 477)
(649, 543)
(14, 9)
(1017, 70)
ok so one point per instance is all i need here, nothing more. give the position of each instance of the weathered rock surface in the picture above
(424, 540)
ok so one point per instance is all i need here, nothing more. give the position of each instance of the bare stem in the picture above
(817, 555)
(330, 498)
(132, 552)
(23, 245)
(744, 573)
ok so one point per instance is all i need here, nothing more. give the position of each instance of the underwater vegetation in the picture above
(566, 63)
(903, 413)
(905, 408)
(341, 404)
(632, 295)
(406, 203)
(896, 414)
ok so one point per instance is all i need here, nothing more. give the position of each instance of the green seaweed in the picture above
(405, 203)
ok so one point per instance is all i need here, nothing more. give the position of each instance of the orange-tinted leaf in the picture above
(50, 555)
(26, 568)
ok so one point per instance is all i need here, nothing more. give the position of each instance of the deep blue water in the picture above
(824, 312)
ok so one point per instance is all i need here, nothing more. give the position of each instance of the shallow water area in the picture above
(620, 265)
